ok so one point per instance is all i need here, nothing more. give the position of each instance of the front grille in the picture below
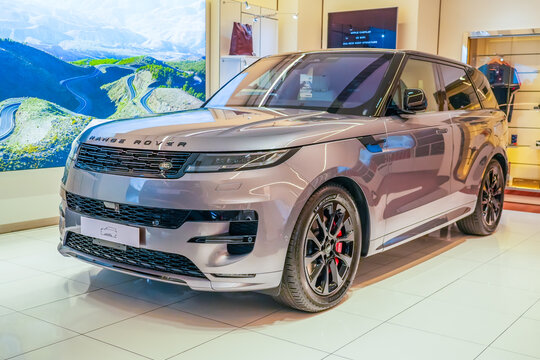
(130, 162)
(141, 258)
(132, 214)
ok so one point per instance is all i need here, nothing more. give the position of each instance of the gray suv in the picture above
(291, 173)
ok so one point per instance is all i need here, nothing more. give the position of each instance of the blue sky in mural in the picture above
(164, 29)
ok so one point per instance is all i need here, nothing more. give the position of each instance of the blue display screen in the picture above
(375, 28)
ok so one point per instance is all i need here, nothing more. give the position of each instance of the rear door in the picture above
(420, 152)
(474, 126)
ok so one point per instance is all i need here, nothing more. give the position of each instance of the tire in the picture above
(327, 256)
(489, 204)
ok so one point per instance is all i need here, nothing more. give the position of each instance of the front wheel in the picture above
(489, 205)
(323, 253)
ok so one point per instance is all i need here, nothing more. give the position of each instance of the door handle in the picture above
(441, 131)
(370, 140)
(371, 144)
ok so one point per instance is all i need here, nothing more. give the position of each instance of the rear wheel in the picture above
(489, 205)
(323, 253)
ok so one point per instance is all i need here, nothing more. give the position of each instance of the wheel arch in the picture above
(502, 161)
(361, 204)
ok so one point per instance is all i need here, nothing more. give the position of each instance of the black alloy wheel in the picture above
(324, 251)
(329, 247)
(489, 203)
(492, 196)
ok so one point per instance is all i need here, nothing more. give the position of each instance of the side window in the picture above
(483, 89)
(459, 90)
(418, 74)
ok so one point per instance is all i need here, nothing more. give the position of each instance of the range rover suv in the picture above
(291, 173)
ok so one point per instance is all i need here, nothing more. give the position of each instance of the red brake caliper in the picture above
(339, 246)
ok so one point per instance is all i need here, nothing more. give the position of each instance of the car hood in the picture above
(230, 129)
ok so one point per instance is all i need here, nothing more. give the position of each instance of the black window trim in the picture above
(464, 68)
(477, 89)
(403, 62)
(398, 65)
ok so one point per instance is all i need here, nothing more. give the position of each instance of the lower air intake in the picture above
(141, 258)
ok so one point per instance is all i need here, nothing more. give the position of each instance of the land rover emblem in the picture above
(165, 166)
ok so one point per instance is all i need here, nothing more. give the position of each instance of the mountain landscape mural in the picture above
(64, 63)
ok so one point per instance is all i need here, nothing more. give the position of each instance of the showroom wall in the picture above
(461, 16)
(287, 26)
(269, 4)
(309, 24)
(28, 195)
(417, 20)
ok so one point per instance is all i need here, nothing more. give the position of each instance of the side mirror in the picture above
(414, 100)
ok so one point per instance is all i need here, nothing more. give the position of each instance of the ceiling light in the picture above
(295, 16)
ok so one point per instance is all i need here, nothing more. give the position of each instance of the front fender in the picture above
(321, 163)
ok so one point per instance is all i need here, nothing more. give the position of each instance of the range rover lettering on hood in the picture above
(113, 140)
(229, 130)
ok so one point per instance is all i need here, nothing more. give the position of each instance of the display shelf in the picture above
(525, 146)
(519, 190)
(512, 64)
(525, 184)
(508, 54)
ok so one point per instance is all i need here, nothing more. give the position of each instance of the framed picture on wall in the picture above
(374, 28)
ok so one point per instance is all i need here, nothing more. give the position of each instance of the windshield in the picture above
(335, 82)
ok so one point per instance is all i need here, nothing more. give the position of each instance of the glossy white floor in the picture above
(479, 300)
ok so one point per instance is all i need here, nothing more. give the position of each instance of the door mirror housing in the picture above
(414, 100)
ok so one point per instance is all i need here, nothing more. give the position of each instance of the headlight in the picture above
(214, 162)
(74, 148)
(71, 157)
(77, 142)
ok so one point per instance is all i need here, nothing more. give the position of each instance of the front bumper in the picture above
(272, 193)
(264, 281)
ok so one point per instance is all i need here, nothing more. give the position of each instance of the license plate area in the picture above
(111, 234)
(109, 244)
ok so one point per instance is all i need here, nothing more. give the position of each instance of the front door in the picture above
(420, 150)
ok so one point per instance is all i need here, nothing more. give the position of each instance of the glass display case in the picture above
(511, 62)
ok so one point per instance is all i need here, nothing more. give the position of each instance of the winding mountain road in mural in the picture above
(83, 100)
(144, 101)
(7, 120)
(129, 84)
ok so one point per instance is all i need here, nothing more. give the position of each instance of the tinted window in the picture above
(337, 82)
(483, 89)
(459, 90)
(418, 74)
